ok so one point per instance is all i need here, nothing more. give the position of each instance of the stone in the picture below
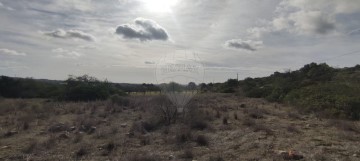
(123, 125)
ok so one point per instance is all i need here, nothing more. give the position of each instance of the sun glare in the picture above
(161, 6)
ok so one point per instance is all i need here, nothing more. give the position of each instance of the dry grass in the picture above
(136, 129)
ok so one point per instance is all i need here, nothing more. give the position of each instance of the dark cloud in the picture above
(247, 45)
(60, 33)
(142, 29)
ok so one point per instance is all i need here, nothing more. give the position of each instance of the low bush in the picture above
(202, 140)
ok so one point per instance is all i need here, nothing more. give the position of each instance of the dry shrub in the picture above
(199, 124)
(292, 129)
(218, 114)
(86, 123)
(216, 158)
(78, 138)
(183, 136)
(247, 121)
(30, 147)
(294, 115)
(187, 154)
(236, 116)
(225, 120)
(344, 125)
(256, 113)
(81, 152)
(262, 127)
(144, 127)
(140, 156)
(202, 140)
(144, 140)
(197, 119)
(119, 100)
(50, 142)
(108, 148)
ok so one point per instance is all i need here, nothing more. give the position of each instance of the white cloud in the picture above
(149, 62)
(11, 52)
(308, 17)
(63, 53)
(142, 29)
(6, 7)
(247, 45)
(74, 34)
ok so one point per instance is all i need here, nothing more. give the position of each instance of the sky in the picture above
(123, 40)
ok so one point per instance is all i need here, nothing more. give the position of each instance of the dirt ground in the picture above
(216, 127)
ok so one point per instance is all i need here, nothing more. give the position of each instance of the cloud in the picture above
(312, 22)
(11, 52)
(69, 34)
(63, 53)
(308, 17)
(149, 62)
(6, 7)
(247, 45)
(142, 29)
(88, 47)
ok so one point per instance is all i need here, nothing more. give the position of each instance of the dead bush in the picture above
(294, 115)
(163, 110)
(248, 122)
(30, 147)
(202, 140)
(140, 156)
(236, 116)
(57, 127)
(262, 127)
(292, 129)
(344, 125)
(216, 158)
(187, 154)
(145, 140)
(81, 152)
(183, 136)
(49, 143)
(108, 148)
(255, 113)
(225, 121)
(78, 138)
(199, 124)
(119, 100)
(218, 114)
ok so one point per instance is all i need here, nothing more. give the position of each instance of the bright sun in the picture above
(161, 6)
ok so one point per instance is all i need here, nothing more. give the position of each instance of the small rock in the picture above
(354, 155)
(123, 125)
